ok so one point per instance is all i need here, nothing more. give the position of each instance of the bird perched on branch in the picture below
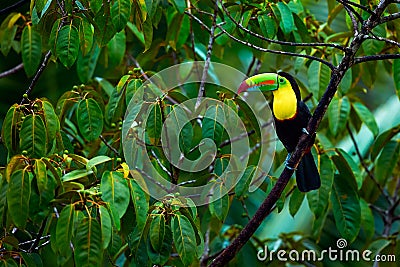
(291, 116)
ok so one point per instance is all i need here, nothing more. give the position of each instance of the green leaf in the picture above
(377, 246)
(115, 190)
(31, 49)
(367, 117)
(105, 30)
(86, 65)
(86, 33)
(267, 25)
(88, 243)
(157, 230)
(10, 133)
(396, 75)
(338, 114)
(219, 207)
(140, 202)
(184, 238)
(54, 36)
(382, 140)
(64, 230)
(116, 49)
(51, 121)
(33, 136)
(346, 82)
(18, 195)
(46, 183)
(90, 119)
(387, 161)
(96, 161)
(114, 108)
(287, 22)
(180, 5)
(318, 77)
(318, 200)
(8, 30)
(161, 256)
(120, 12)
(179, 121)
(295, 201)
(67, 46)
(213, 121)
(346, 208)
(367, 220)
(131, 88)
(154, 122)
(106, 226)
(76, 174)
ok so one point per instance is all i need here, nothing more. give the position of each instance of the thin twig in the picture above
(37, 75)
(208, 56)
(366, 9)
(350, 10)
(12, 71)
(389, 18)
(359, 60)
(386, 40)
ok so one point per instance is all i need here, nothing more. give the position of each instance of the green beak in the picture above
(261, 82)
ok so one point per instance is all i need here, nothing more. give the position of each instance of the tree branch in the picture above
(304, 143)
(12, 71)
(389, 18)
(359, 60)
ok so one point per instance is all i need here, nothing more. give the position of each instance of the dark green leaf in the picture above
(105, 30)
(86, 33)
(157, 231)
(243, 184)
(115, 190)
(154, 123)
(184, 238)
(318, 77)
(367, 117)
(213, 122)
(90, 119)
(267, 25)
(64, 230)
(148, 33)
(18, 195)
(86, 65)
(9, 131)
(31, 49)
(120, 12)
(396, 75)
(33, 136)
(295, 201)
(387, 161)
(382, 140)
(106, 226)
(338, 114)
(116, 49)
(140, 202)
(68, 45)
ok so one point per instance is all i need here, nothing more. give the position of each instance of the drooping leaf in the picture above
(140, 202)
(396, 75)
(67, 46)
(219, 207)
(154, 122)
(287, 22)
(115, 190)
(295, 201)
(148, 33)
(346, 208)
(366, 117)
(184, 238)
(64, 230)
(88, 243)
(157, 230)
(96, 161)
(214, 119)
(51, 121)
(318, 77)
(120, 12)
(338, 114)
(161, 256)
(382, 140)
(116, 48)
(9, 131)
(131, 88)
(106, 226)
(86, 33)
(367, 220)
(243, 184)
(33, 137)
(90, 119)
(18, 195)
(105, 30)
(86, 65)
(31, 49)
(347, 167)
(267, 25)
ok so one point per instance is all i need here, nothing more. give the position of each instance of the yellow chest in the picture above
(285, 103)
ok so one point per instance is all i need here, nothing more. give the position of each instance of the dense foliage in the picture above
(67, 194)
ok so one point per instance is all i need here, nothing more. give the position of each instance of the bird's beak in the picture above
(261, 82)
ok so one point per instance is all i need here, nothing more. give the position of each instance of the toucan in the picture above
(291, 116)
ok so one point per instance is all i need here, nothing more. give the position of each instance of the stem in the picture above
(12, 71)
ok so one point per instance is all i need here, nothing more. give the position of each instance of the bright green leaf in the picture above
(115, 190)
(184, 238)
(338, 114)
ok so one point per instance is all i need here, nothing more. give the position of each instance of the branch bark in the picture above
(305, 141)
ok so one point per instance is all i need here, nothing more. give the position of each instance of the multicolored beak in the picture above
(261, 82)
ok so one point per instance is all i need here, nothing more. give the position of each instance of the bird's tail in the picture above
(307, 176)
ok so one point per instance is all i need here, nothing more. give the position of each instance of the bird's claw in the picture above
(287, 162)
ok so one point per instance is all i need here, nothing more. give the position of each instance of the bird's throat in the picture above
(285, 103)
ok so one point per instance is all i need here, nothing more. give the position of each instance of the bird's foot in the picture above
(287, 162)
(304, 130)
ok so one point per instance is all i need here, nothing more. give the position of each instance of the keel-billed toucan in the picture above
(291, 117)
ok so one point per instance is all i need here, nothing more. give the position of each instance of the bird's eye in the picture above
(281, 80)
